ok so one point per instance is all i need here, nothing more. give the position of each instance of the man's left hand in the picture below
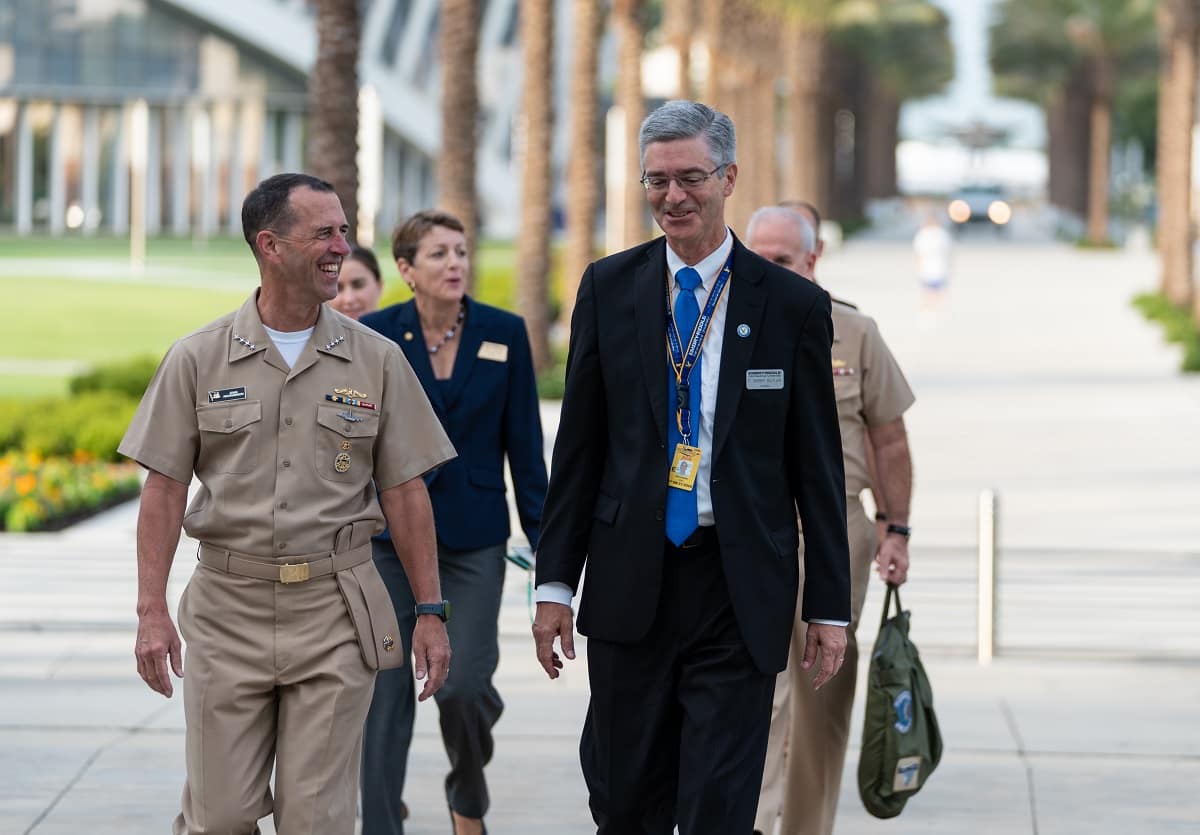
(892, 559)
(830, 642)
(431, 654)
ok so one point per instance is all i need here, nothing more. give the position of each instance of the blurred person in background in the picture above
(359, 285)
(476, 365)
(932, 245)
(810, 728)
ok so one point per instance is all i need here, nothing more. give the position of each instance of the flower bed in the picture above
(39, 494)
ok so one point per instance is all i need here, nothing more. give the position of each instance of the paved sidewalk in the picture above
(1088, 723)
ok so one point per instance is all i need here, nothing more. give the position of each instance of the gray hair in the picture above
(808, 235)
(679, 119)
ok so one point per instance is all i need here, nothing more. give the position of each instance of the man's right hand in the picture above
(553, 620)
(157, 641)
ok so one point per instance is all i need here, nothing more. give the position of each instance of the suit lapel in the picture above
(417, 354)
(468, 351)
(747, 299)
(650, 311)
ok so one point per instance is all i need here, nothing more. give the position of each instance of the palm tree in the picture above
(583, 177)
(458, 53)
(626, 16)
(678, 18)
(905, 46)
(333, 102)
(1179, 29)
(533, 241)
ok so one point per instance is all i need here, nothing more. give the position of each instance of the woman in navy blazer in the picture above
(475, 364)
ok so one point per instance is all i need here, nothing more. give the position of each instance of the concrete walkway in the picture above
(1034, 378)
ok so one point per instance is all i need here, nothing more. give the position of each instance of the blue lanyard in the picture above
(683, 364)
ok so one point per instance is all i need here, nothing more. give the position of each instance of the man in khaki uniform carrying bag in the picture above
(810, 728)
(291, 416)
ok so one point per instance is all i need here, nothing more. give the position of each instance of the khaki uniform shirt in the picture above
(285, 457)
(869, 386)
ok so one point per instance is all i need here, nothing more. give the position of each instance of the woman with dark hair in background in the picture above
(475, 364)
(359, 284)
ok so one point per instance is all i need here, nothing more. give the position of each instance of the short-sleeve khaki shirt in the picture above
(285, 457)
(869, 386)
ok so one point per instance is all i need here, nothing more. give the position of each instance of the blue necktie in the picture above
(682, 517)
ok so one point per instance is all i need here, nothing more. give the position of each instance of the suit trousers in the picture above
(676, 729)
(810, 730)
(468, 703)
(273, 676)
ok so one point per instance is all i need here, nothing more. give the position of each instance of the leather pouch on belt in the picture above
(373, 614)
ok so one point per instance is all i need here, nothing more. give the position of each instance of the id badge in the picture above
(684, 467)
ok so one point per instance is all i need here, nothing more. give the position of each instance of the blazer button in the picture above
(658, 515)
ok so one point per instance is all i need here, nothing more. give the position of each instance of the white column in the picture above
(154, 171)
(24, 207)
(237, 169)
(267, 163)
(118, 205)
(180, 140)
(293, 142)
(370, 163)
(414, 187)
(205, 160)
(389, 214)
(89, 173)
(58, 174)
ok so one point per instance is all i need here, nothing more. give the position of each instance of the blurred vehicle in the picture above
(979, 204)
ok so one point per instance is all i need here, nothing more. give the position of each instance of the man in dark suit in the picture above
(692, 361)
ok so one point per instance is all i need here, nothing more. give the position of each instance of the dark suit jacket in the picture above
(488, 408)
(775, 451)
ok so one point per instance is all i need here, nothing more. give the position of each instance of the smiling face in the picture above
(307, 254)
(438, 271)
(693, 219)
(358, 290)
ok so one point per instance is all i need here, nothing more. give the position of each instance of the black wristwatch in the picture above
(904, 530)
(442, 610)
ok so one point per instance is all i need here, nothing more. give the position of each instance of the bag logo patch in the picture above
(904, 712)
(908, 774)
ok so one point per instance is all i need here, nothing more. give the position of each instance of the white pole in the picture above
(139, 142)
(987, 576)
(370, 162)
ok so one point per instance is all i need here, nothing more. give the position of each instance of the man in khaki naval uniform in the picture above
(290, 416)
(810, 728)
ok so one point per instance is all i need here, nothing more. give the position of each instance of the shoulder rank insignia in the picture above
(333, 343)
(241, 340)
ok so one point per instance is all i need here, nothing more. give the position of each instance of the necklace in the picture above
(462, 314)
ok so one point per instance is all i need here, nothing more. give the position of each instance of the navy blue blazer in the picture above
(489, 408)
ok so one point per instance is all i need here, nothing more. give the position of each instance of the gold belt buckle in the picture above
(289, 573)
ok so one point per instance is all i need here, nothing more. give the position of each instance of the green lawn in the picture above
(75, 298)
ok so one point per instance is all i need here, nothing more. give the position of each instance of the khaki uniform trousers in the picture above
(273, 675)
(810, 730)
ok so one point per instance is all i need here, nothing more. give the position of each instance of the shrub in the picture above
(37, 493)
(1177, 323)
(92, 423)
(129, 377)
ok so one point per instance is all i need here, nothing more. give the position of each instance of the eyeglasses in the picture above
(688, 181)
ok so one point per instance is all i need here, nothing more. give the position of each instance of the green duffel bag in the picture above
(901, 744)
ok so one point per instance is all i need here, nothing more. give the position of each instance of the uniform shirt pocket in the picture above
(345, 447)
(229, 436)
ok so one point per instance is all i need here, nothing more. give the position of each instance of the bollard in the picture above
(987, 576)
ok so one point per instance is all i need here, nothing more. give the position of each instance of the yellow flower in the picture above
(26, 484)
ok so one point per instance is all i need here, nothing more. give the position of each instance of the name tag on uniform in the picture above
(764, 378)
(224, 395)
(494, 351)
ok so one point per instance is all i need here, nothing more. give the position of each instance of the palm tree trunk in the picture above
(882, 135)
(1100, 124)
(810, 164)
(678, 19)
(583, 181)
(533, 242)
(1079, 106)
(333, 102)
(458, 52)
(627, 22)
(1177, 112)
